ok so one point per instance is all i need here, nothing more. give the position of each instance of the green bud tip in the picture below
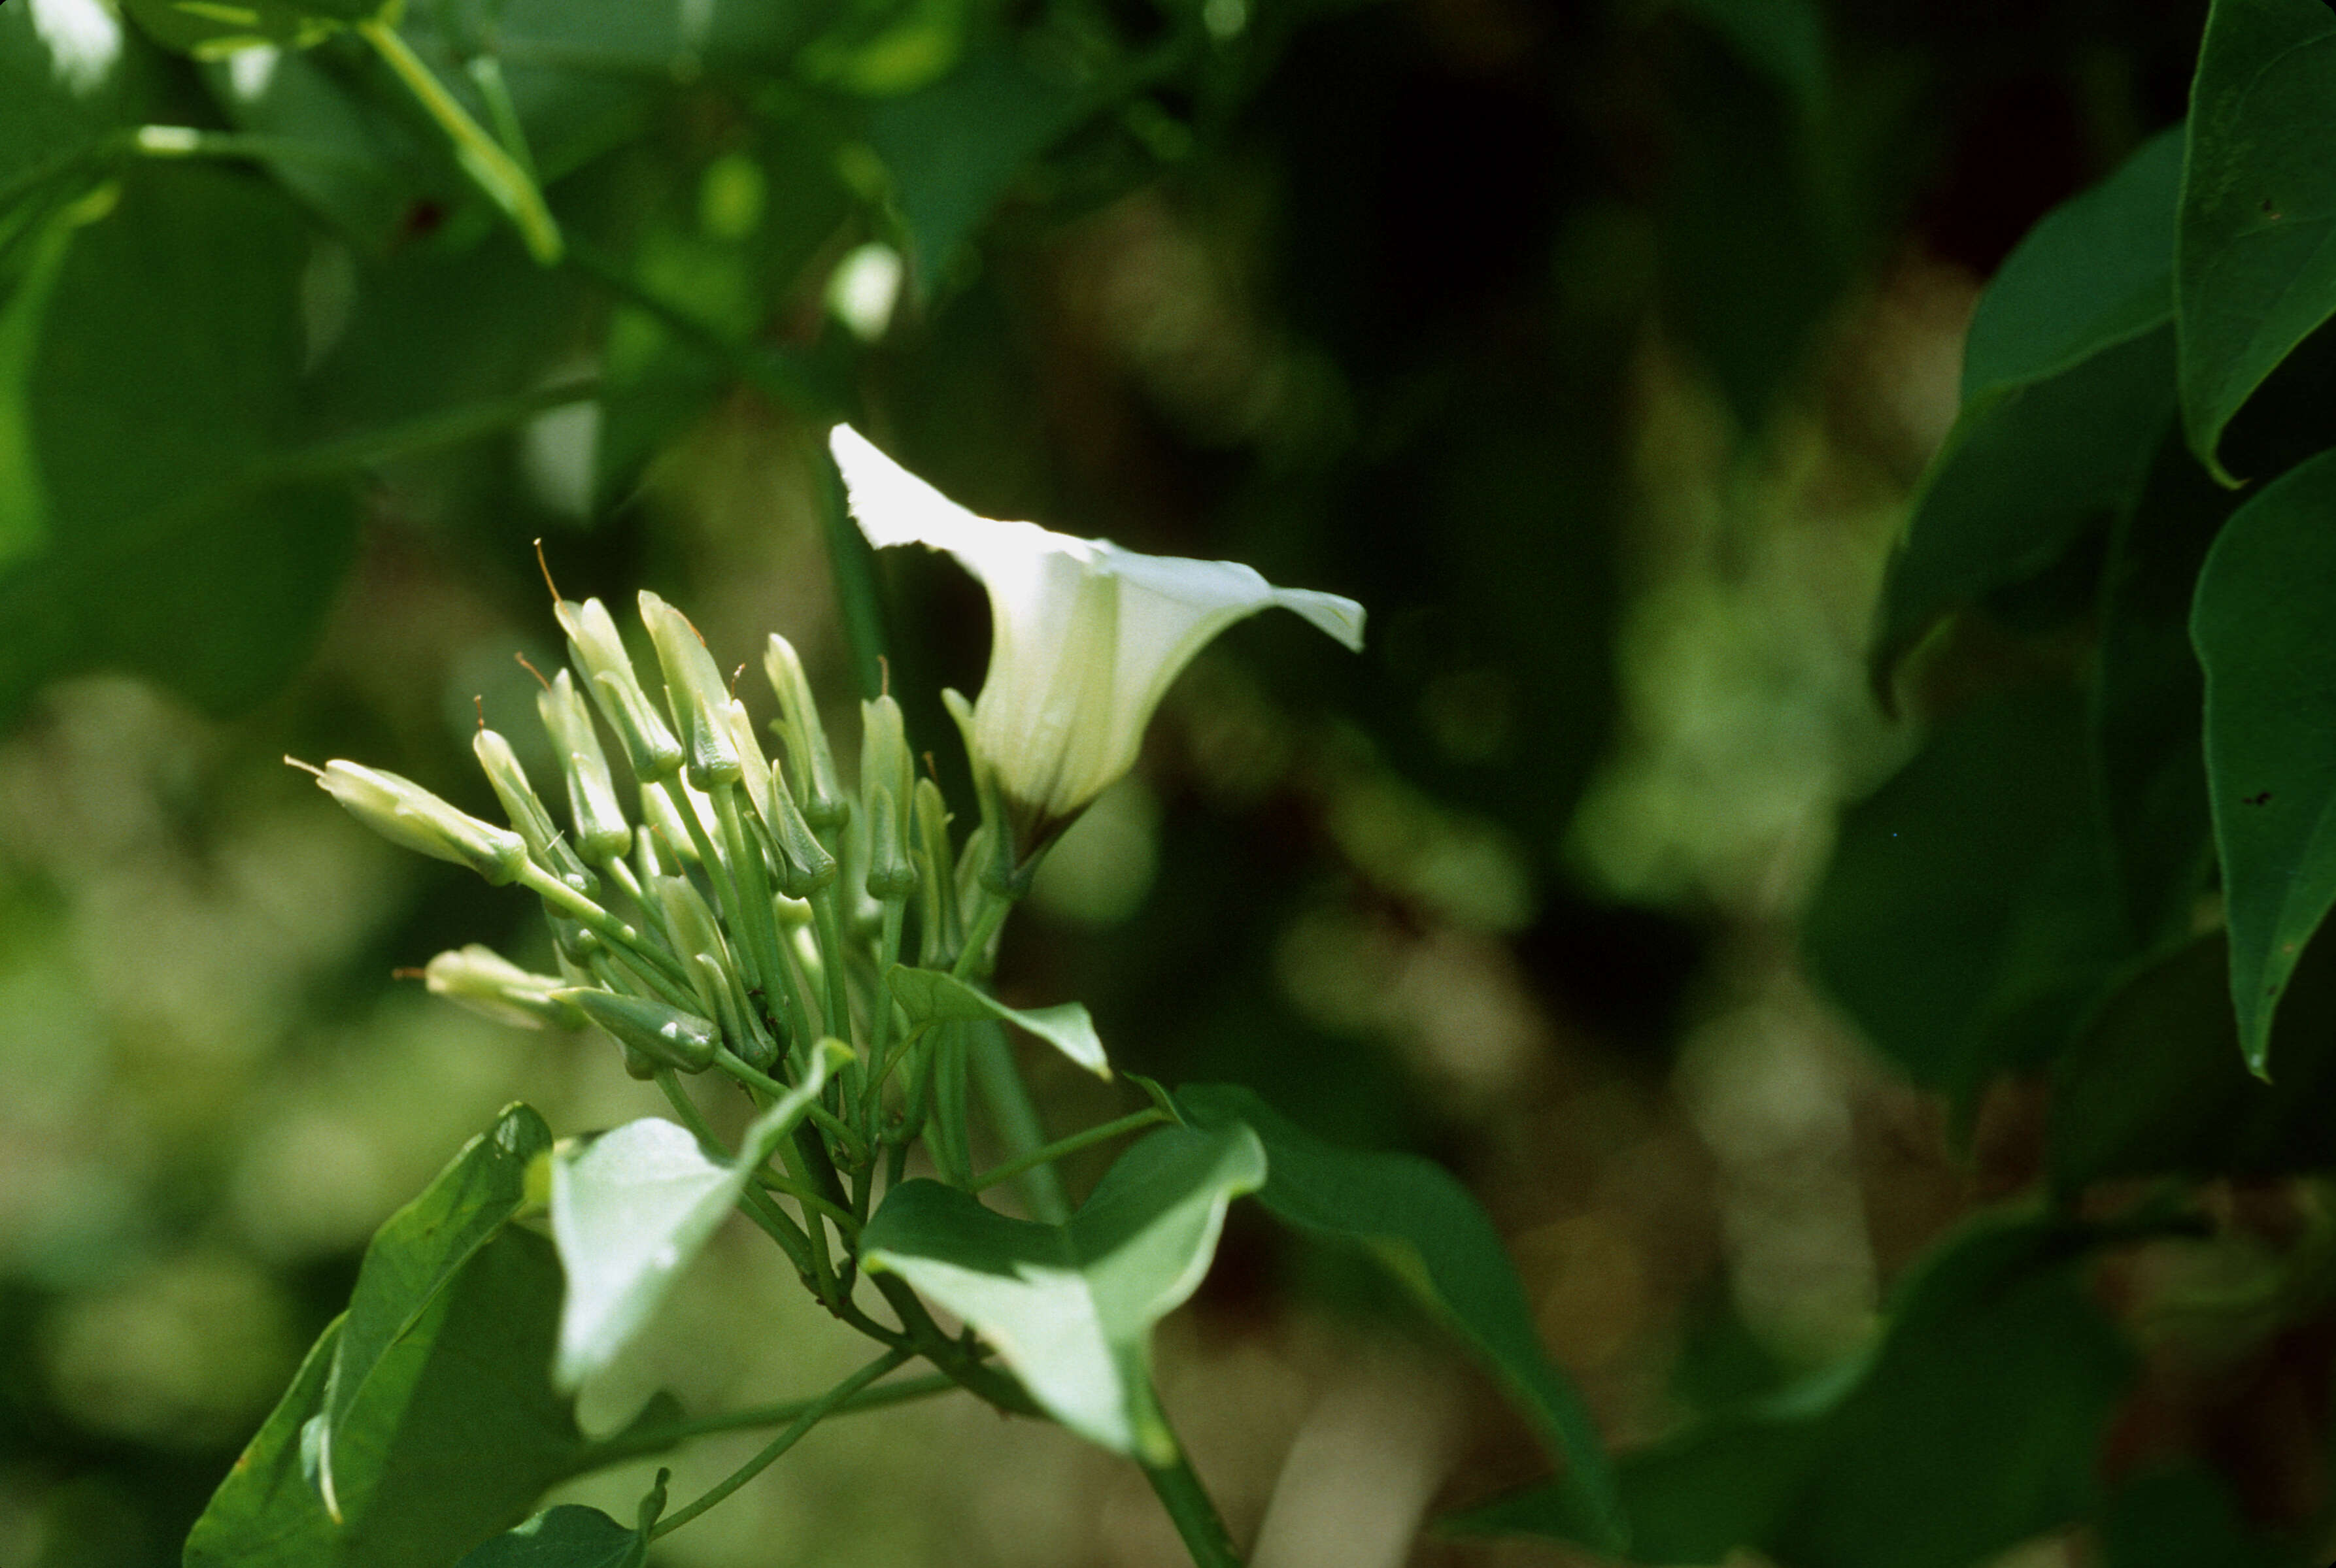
(404, 813)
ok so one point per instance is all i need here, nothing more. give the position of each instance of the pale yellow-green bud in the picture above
(608, 679)
(696, 692)
(404, 812)
(526, 810)
(484, 981)
(810, 764)
(602, 830)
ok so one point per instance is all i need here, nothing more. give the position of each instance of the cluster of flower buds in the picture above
(752, 906)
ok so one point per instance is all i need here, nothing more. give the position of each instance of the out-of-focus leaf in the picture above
(956, 147)
(2260, 623)
(208, 28)
(1971, 911)
(1070, 1307)
(1974, 1426)
(2147, 693)
(2068, 390)
(415, 1257)
(454, 1438)
(1784, 38)
(634, 1207)
(2156, 1085)
(166, 380)
(883, 48)
(2254, 271)
(2181, 1518)
(931, 996)
(1417, 1221)
(54, 101)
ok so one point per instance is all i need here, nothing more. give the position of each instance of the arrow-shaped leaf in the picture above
(1070, 1307)
(630, 1209)
(931, 996)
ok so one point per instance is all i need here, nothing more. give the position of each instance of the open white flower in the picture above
(1084, 636)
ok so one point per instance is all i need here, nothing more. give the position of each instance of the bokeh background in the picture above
(1594, 346)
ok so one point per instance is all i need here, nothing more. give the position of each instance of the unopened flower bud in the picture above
(890, 873)
(484, 981)
(695, 691)
(811, 764)
(690, 922)
(929, 854)
(608, 670)
(806, 865)
(601, 831)
(527, 813)
(654, 1035)
(404, 812)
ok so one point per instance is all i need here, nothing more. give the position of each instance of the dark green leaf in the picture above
(2181, 1518)
(1419, 1223)
(1785, 39)
(955, 148)
(1070, 1307)
(568, 1536)
(2260, 623)
(455, 1436)
(166, 380)
(2147, 694)
(2095, 272)
(2067, 389)
(417, 1254)
(209, 28)
(2156, 1085)
(51, 108)
(1974, 1426)
(2254, 271)
(1971, 911)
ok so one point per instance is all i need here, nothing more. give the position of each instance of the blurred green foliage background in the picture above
(1594, 345)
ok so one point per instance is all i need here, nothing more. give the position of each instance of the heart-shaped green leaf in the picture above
(417, 1255)
(1419, 1223)
(931, 996)
(2255, 270)
(2260, 624)
(632, 1207)
(1070, 1307)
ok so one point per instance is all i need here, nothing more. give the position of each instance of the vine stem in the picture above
(818, 1409)
(1193, 1513)
(627, 1446)
(1068, 1145)
(481, 157)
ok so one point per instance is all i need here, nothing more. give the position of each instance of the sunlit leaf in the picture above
(2260, 622)
(631, 1208)
(2256, 273)
(1070, 1308)
(930, 995)
(1419, 1223)
(417, 1254)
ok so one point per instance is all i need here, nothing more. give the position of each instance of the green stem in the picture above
(784, 383)
(762, 930)
(852, 561)
(1194, 1513)
(506, 184)
(576, 906)
(729, 1062)
(425, 433)
(818, 1409)
(1068, 1145)
(1014, 1118)
(630, 1446)
(844, 1218)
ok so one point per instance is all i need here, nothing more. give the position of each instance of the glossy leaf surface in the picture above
(1070, 1307)
(2260, 623)
(1415, 1219)
(2256, 273)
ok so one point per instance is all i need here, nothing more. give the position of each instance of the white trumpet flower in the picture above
(1085, 637)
